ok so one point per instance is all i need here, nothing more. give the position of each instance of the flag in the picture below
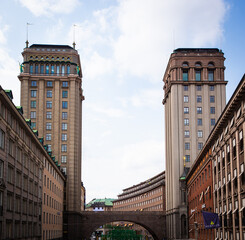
(211, 220)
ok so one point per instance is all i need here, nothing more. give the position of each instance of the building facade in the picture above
(224, 151)
(146, 196)
(200, 195)
(51, 95)
(100, 205)
(194, 97)
(53, 200)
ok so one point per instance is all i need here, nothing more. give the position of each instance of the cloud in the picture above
(49, 7)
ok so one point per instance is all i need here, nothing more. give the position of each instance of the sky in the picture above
(124, 46)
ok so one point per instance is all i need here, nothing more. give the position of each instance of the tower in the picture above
(194, 98)
(51, 96)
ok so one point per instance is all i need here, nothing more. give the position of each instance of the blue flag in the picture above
(211, 220)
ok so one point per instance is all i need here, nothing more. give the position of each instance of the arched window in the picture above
(52, 69)
(185, 64)
(63, 70)
(58, 69)
(42, 69)
(68, 69)
(31, 69)
(47, 69)
(198, 64)
(36, 68)
(210, 64)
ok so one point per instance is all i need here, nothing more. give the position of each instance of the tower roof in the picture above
(50, 46)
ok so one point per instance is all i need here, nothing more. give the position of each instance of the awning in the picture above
(234, 210)
(229, 212)
(207, 190)
(201, 197)
(241, 209)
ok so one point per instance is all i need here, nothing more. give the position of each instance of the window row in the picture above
(50, 69)
(64, 126)
(188, 147)
(199, 133)
(199, 110)
(198, 87)
(198, 75)
(199, 99)
(52, 186)
(199, 121)
(51, 202)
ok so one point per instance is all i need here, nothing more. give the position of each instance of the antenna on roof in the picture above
(27, 24)
(74, 44)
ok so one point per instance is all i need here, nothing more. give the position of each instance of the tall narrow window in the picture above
(42, 69)
(33, 83)
(33, 104)
(49, 94)
(36, 68)
(212, 121)
(199, 98)
(63, 70)
(212, 110)
(212, 99)
(52, 69)
(186, 110)
(68, 69)
(33, 93)
(199, 121)
(31, 69)
(186, 121)
(198, 75)
(2, 138)
(199, 110)
(57, 70)
(210, 75)
(185, 75)
(64, 104)
(49, 104)
(47, 69)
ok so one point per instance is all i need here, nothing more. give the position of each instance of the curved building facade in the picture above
(145, 196)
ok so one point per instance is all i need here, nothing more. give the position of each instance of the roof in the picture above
(50, 46)
(106, 202)
(197, 50)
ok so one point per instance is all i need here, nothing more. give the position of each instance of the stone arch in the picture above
(82, 225)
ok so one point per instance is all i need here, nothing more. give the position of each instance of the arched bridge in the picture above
(81, 225)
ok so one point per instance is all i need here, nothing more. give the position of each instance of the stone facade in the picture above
(22, 158)
(224, 151)
(51, 95)
(194, 97)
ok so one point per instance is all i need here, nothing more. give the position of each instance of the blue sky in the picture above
(124, 46)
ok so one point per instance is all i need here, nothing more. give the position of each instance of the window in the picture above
(185, 75)
(185, 87)
(186, 110)
(1, 170)
(64, 115)
(31, 69)
(58, 70)
(33, 83)
(212, 121)
(63, 70)
(36, 68)
(64, 104)
(186, 121)
(11, 147)
(64, 126)
(199, 121)
(63, 159)
(187, 146)
(33, 93)
(198, 75)
(210, 75)
(68, 69)
(49, 149)
(234, 147)
(2, 138)
(10, 174)
(48, 126)
(212, 99)
(65, 84)
(52, 69)
(64, 169)
(33, 104)
(49, 84)
(199, 98)
(200, 145)
(48, 115)
(48, 137)
(33, 115)
(49, 93)
(9, 201)
(63, 148)
(212, 110)
(199, 110)
(211, 87)
(33, 125)
(199, 87)
(47, 69)
(49, 104)
(64, 94)
(241, 140)
(64, 137)
(187, 158)
(199, 133)
(187, 133)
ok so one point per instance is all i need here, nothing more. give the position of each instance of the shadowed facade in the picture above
(82, 225)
